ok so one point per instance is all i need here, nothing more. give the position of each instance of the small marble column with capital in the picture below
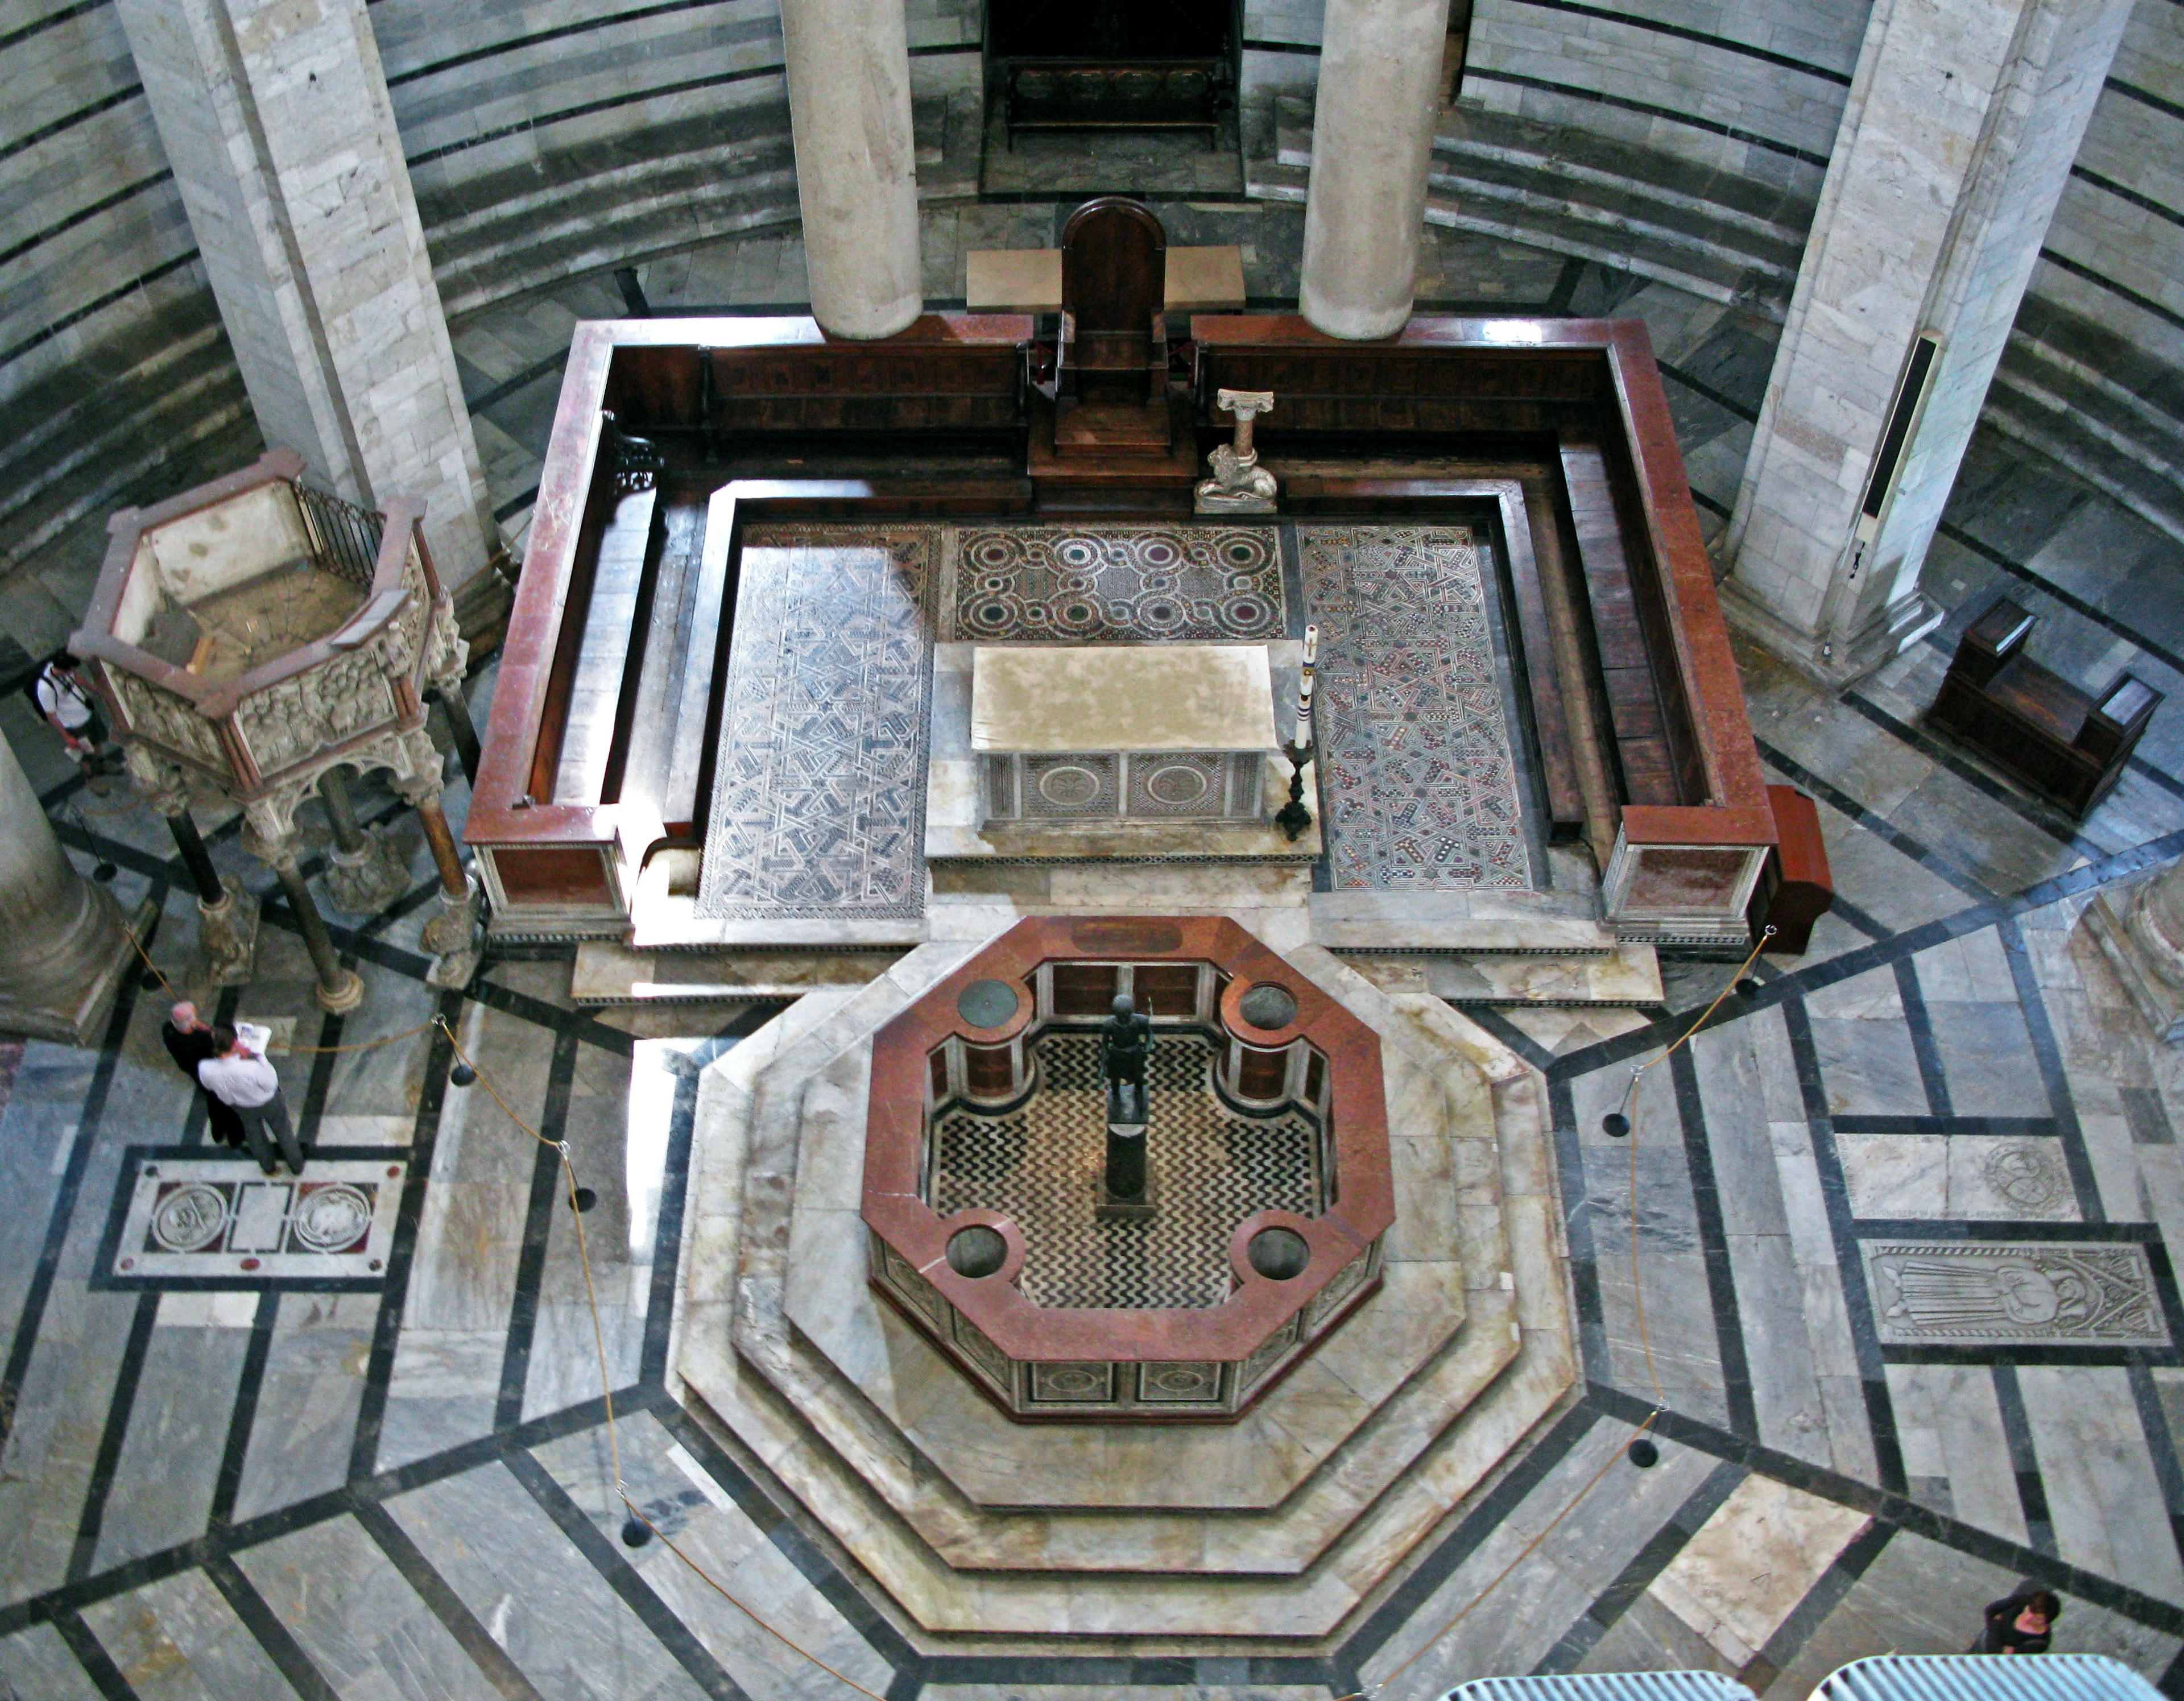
(1239, 485)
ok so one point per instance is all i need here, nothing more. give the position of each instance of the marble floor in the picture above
(399, 1484)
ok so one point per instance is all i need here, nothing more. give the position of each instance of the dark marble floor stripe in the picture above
(424, 1140)
(2048, 1055)
(1858, 1305)
(522, 380)
(2160, 1447)
(2033, 813)
(2024, 1459)
(546, 1187)
(1897, 1509)
(243, 1417)
(673, 1635)
(90, 1654)
(31, 1317)
(1494, 1508)
(1638, 1575)
(1507, 1032)
(2069, 599)
(1831, 970)
(1578, 1213)
(1877, 825)
(1713, 1246)
(766, 1511)
(264, 1625)
(491, 1659)
(120, 1407)
(1790, 1636)
(1932, 1076)
(2015, 1127)
(675, 1178)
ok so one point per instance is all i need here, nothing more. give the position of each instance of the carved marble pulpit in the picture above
(254, 637)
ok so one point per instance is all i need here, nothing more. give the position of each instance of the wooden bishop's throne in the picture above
(1111, 391)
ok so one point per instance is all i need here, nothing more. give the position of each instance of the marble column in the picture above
(275, 116)
(1964, 118)
(848, 65)
(1372, 139)
(62, 951)
(2140, 928)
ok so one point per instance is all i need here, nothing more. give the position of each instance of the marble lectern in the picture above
(1171, 732)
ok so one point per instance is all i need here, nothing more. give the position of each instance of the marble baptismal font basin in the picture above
(1265, 1143)
(1232, 1404)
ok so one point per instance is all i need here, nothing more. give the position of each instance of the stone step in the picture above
(1628, 975)
(1631, 210)
(2116, 439)
(609, 971)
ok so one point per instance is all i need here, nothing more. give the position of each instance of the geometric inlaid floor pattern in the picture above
(215, 1217)
(1116, 584)
(1210, 1169)
(1417, 766)
(404, 1491)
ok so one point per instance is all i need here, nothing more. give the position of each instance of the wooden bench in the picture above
(2060, 743)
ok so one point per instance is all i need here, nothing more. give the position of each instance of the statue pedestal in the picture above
(1126, 1169)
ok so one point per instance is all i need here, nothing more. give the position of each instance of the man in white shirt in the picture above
(71, 710)
(239, 1077)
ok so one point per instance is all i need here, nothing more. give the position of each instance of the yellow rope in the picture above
(606, 1378)
(288, 1050)
(1645, 1340)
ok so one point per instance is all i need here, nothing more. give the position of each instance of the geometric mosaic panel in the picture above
(819, 783)
(221, 1217)
(1418, 774)
(1108, 584)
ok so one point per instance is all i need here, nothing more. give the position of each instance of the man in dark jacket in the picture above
(2022, 1624)
(189, 1042)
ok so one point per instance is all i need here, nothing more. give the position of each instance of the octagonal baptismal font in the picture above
(1259, 1191)
(1026, 1397)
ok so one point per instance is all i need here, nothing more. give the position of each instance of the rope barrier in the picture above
(606, 1376)
(287, 1050)
(1644, 1342)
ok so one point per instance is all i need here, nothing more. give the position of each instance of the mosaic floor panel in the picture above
(819, 790)
(220, 1216)
(1071, 585)
(1210, 1169)
(1418, 775)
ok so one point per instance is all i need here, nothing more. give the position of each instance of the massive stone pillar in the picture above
(275, 116)
(1372, 139)
(856, 162)
(1963, 120)
(62, 949)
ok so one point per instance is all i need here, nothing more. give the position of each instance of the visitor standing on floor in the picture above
(238, 1075)
(189, 1042)
(71, 710)
(2022, 1624)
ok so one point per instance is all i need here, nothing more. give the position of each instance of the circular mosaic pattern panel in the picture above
(332, 1218)
(190, 1219)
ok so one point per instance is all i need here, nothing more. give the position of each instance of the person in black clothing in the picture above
(2022, 1624)
(189, 1042)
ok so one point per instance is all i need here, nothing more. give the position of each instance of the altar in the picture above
(1179, 731)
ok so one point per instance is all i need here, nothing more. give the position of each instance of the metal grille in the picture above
(1209, 1170)
(1069, 785)
(344, 538)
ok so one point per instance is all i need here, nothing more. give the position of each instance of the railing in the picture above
(344, 538)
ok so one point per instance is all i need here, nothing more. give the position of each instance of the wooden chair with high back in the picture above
(1110, 391)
